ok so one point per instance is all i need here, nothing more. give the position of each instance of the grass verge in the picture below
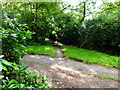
(41, 49)
(103, 77)
(90, 56)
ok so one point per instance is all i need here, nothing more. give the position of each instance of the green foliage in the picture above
(4, 66)
(49, 20)
(18, 76)
(4, 63)
(37, 15)
(69, 35)
(21, 77)
(91, 56)
(13, 73)
(13, 42)
(110, 7)
(65, 30)
(14, 38)
(41, 49)
(68, 25)
(103, 31)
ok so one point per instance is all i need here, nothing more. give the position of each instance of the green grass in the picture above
(107, 77)
(41, 49)
(90, 56)
(101, 76)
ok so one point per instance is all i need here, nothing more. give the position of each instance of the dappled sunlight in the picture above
(37, 57)
(47, 48)
(93, 71)
(60, 58)
(51, 59)
(33, 56)
(43, 49)
(63, 75)
(66, 69)
(65, 64)
(64, 49)
(69, 70)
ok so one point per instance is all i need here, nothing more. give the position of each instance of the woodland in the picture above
(30, 27)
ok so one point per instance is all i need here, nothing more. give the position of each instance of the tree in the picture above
(103, 30)
(37, 15)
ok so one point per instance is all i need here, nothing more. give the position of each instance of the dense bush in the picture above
(65, 30)
(70, 36)
(12, 45)
(18, 76)
(13, 73)
(102, 34)
(39, 16)
(99, 33)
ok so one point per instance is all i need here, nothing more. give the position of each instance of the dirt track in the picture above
(68, 73)
(64, 73)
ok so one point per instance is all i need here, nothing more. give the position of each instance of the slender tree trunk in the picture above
(84, 12)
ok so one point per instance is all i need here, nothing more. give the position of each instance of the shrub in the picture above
(15, 74)
(20, 77)
(102, 34)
